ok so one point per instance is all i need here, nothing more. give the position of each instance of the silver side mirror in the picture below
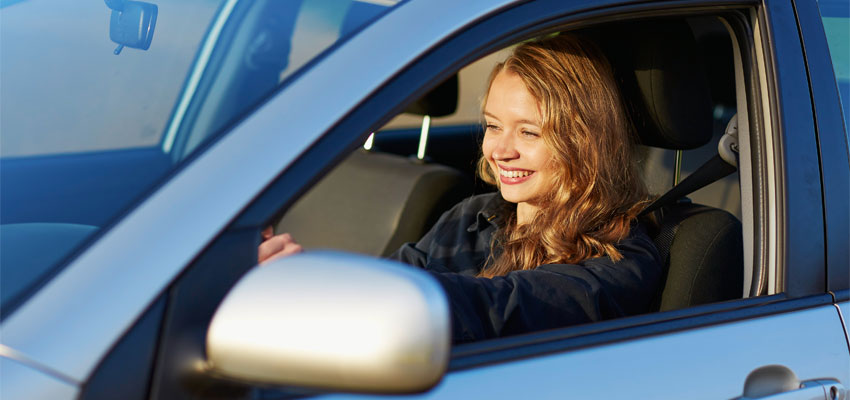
(333, 321)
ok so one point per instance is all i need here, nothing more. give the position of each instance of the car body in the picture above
(123, 309)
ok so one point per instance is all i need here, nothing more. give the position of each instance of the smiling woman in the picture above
(559, 244)
(558, 141)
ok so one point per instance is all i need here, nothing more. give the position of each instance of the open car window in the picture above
(422, 162)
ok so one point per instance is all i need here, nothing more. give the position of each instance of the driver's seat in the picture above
(660, 73)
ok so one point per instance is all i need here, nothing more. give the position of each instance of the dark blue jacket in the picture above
(549, 296)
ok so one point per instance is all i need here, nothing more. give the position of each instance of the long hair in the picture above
(597, 190)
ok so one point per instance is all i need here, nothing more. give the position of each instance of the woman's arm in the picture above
(555, 295)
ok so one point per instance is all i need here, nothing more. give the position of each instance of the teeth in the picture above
(514, 174)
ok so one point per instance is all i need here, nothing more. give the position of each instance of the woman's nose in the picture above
(505, 148)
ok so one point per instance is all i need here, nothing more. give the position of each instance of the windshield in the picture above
(100, 100)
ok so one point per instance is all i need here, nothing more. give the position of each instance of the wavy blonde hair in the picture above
(598, 190)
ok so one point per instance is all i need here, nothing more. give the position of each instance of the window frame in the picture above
(796, 213)
(832, 146)
(516, 24)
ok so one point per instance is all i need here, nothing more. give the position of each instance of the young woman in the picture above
(559, 243)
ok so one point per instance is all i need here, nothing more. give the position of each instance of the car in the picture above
(145, 147)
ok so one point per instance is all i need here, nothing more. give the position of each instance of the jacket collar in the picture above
(491, 214)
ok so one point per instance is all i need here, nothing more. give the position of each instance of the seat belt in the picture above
(713, 170)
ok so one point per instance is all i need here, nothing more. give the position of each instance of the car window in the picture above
(88, 127)
(393, 192)
(836, 24)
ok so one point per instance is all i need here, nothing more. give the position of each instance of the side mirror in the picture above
(132, 23)
(333, 321)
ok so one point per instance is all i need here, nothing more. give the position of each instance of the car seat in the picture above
(372, 203)
(668, 100)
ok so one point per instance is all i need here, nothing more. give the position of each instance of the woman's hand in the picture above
(276, 246)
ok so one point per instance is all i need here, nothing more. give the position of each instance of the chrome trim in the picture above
(197, 72)
(845, 304)
(75, 319)
(386, 3)
(21, 381)
(10, 353)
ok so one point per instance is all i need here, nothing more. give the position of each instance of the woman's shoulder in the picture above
(481, 202)
(485, 207)
(638, 235)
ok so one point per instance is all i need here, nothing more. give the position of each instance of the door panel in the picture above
(704, 363)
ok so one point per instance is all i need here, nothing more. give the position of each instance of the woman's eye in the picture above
(530, 134)
(491, 127)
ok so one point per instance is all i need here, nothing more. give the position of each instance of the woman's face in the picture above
(513, 145)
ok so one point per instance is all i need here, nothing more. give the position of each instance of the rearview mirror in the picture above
(333, 321)
(132, 23)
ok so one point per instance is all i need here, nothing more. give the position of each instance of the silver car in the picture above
(144, 148)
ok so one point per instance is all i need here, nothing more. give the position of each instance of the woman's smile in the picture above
(513, 176)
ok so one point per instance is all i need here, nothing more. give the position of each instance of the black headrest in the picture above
(662, 79)
(440, 101)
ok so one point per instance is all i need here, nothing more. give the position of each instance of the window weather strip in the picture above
(387, 3)
(197, 72)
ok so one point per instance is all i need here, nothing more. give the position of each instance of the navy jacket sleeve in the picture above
(546, 297)
(555, 295)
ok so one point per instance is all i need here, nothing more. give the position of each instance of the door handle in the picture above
(777, 382)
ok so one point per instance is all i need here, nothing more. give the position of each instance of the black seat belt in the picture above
(713, 170)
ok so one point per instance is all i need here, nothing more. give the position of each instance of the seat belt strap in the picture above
(713, 170)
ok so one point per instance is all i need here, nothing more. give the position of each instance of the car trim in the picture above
(800, 268)
(832, 145)
(843, 322)
(199, 66)
(10, 353)
(766, 144)
(753, 165)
